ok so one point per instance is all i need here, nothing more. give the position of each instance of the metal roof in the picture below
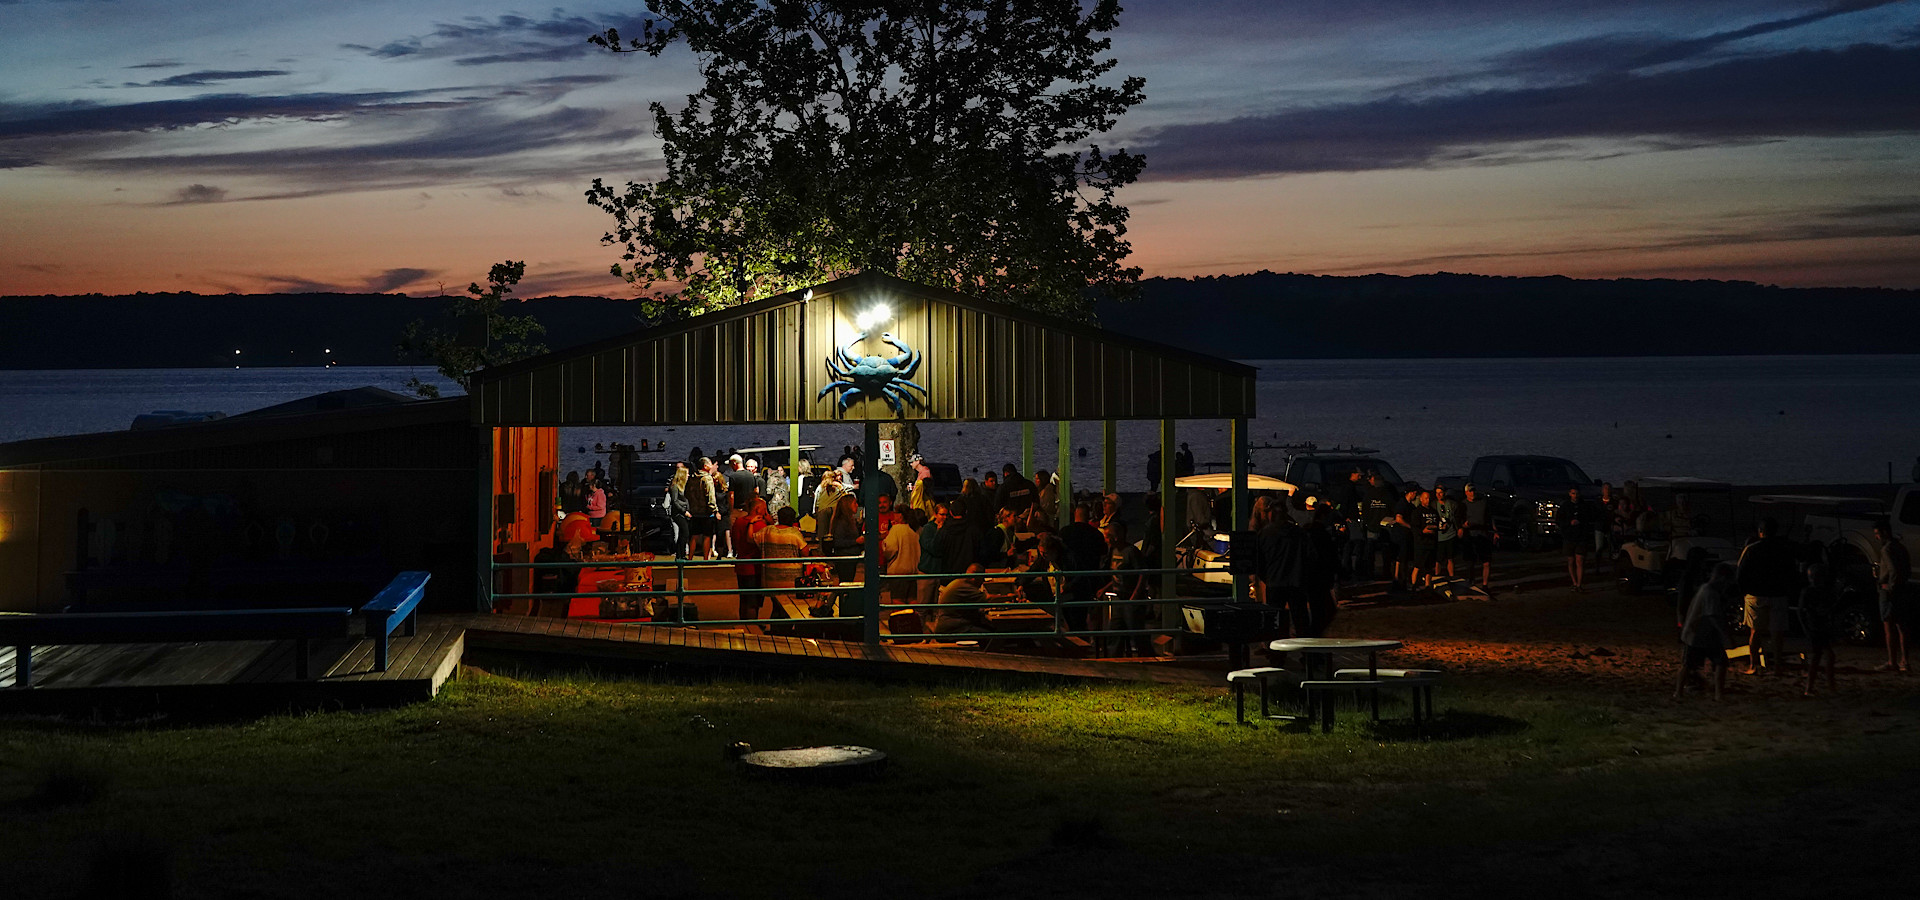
(229, 432)
(771, 362)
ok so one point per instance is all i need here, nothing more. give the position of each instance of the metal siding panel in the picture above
(1147, 400)
(515, 407)
(547, 386)
(642, 403)
(1175, 400)
(671, 396)
(579, 392)
(610, 383)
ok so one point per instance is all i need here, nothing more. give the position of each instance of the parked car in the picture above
(1312, 473)
(1839, 532)
(1695, 532)
(641, 486)
(1525, 492)
(946, 480)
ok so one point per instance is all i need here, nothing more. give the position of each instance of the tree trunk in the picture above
(906, 438)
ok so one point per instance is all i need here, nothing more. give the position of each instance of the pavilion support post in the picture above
(1169, 584)
(1107, 442)
(870, 588)
(793, 466)
(483, 565)
(1242, 508)
(1065, 466)
(1026, 449)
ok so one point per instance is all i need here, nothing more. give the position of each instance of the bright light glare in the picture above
(873, 317)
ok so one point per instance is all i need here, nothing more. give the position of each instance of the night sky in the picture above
(222, 146)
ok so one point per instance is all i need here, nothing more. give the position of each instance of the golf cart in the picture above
(1677, 554)
(1839, 532)
(1208, 550)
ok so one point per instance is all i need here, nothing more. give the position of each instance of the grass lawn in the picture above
(574, 786)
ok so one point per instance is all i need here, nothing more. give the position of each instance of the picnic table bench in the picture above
(397, 605)
(300, 625)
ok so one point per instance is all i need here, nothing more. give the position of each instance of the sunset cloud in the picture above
(1861, 90)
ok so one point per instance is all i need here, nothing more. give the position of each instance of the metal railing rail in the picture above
(680, 593)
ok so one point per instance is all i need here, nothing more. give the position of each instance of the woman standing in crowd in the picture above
(846, 536)
(678, 512)
(826, 504)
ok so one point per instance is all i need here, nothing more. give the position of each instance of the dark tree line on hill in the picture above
(1256, 316)
(1273, 316)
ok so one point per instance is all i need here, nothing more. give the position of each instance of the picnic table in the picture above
(1321, 650)
(1318, 691)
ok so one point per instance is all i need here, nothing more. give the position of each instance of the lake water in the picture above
(1752, 420)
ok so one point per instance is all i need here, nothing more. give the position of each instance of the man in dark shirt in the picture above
(1575, 523)
(1896, 602)
(1405, 524)
(959, 545)
(1377, 506)
(743, 484)
(1281, 559)
(1127, 584)
(1768, 575)
(1015, 493)
(1425, 525)
(1476, 530)
(1086, 551)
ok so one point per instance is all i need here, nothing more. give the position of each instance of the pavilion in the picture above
(840, 352)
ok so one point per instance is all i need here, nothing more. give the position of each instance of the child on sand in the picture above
(1816, 619)
(1703, 633)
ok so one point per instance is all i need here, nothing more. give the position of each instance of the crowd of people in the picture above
(1772, 583)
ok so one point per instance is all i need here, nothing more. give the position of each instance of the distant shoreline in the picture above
(1260, 316)
(1248, 361)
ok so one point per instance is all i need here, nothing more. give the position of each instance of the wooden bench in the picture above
(395, 606)
(1418, 684)
(1263, 677)
(300, 625)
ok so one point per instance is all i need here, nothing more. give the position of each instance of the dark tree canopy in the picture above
(946, 143)
(486, 336)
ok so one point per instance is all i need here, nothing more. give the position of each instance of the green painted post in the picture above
(870, 589)
(1107, 441)
(1065, 465)
(1242, 507)
(1169, 584)
(1026, 449)
(793, 466)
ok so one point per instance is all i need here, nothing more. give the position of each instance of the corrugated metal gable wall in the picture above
(769, 367)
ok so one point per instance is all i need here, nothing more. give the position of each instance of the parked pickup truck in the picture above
(1525, 492)
(1839, 531)
(1314, 474)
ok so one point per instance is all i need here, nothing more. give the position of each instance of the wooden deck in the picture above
(257, 676)
(230, 675)
(733, 649)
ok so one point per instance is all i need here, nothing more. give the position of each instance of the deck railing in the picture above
(680, 592)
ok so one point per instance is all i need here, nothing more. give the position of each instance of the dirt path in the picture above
(1602, 638)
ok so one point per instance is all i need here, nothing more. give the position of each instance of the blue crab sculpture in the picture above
(861, 377)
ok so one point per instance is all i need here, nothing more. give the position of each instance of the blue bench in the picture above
(396, 605)
(300, 625)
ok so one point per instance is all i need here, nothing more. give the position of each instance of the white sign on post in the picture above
(886, 452)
